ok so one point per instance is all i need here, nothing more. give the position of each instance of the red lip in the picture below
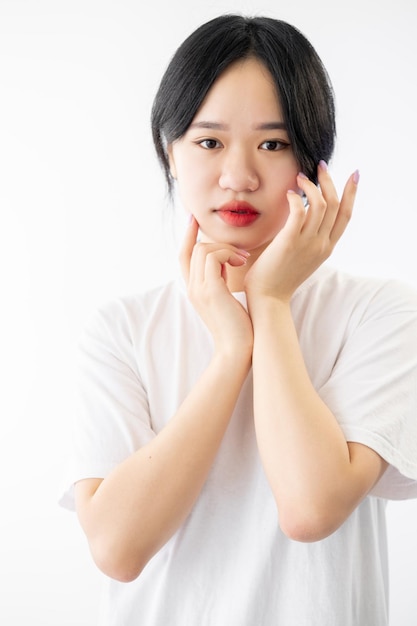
(238, 213)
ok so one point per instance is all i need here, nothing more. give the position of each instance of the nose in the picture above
(238, 173)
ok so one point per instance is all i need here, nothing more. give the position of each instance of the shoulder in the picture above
(141, 302)
(121, 322)
(362, 296)
(129, 310)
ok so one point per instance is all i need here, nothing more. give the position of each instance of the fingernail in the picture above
(243, 253)
(323, 165)
(356, 176)
(302, 175)
(190, 218)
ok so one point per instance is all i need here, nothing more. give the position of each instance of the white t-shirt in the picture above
(230, 564)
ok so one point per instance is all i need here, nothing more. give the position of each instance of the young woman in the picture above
(241, 428)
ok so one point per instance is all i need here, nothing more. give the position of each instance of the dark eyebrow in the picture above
(271, 126)
(210, 125)
(219, 126)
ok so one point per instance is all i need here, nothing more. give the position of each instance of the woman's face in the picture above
(234, 165)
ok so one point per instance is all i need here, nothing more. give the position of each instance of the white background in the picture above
(84, 218)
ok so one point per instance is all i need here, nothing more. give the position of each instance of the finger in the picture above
(208, 261)
(190, 239)
(317, 205)
(346, 207)
(216, 261)
(296, 216)
(331, 198)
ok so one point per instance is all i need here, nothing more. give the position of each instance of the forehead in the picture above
(246, 86)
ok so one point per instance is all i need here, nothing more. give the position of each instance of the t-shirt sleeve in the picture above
(111, 418)
(373, 388)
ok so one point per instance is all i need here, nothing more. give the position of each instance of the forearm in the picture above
(303, 449)
(138, 507)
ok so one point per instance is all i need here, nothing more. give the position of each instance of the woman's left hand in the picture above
(307, 239)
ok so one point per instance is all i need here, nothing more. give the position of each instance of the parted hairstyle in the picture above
(303, 86)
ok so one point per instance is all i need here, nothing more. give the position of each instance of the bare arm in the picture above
(131, 514)
(316, 476)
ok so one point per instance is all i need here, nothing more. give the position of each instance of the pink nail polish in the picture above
(323, 165)
(302, 175)
(356, 177)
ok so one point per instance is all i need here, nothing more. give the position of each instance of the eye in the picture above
(209, 144)
(273, 145)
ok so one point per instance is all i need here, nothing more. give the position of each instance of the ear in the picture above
(171, 160)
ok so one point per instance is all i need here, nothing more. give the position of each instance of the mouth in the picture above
(238, 213)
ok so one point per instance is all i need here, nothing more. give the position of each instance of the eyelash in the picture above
(213, 141)
(279, 145)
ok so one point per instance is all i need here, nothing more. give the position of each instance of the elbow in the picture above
(119, 572)
(305, 532)
(308, 526)
(115, 562)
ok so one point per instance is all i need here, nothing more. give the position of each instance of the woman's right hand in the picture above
(204, 267)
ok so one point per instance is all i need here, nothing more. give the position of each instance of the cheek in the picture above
(191, 191)
(193, 181)
(289, 174)
(280, 188)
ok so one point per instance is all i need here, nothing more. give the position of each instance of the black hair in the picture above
(302, 83)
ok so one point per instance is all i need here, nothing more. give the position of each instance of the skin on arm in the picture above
(132, 513)
(317, 478)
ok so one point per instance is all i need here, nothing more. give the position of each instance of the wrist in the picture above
(234, 357)
(265, 306)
